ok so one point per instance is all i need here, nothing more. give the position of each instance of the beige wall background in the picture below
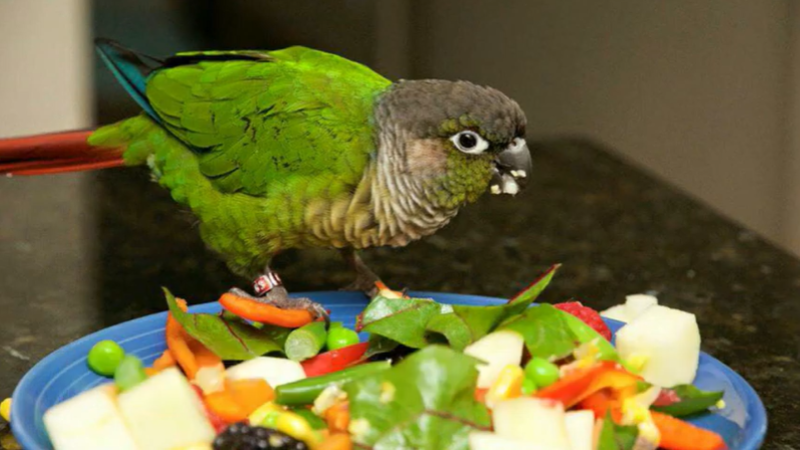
(699, 93)
(45, 85)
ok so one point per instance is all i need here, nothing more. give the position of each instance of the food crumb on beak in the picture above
(518, 174)
(510, 187)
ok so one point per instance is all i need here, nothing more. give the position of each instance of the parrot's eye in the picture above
(469, 141)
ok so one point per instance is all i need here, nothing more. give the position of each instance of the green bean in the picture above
(306, 341)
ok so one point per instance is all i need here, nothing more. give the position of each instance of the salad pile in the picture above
(430, 376)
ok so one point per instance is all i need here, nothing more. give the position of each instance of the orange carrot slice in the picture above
(338, 417)
(164, 361)
(337, 441)
(265, 313)
(679, 435)
(189, 353)
(224, 405)
(250, 393)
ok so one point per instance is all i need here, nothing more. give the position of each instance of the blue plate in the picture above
(64, 374)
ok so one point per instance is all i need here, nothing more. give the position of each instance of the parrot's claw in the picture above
(366, 281)
(279, 298)
(363, 284)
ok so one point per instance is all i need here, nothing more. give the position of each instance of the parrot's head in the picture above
(455, 138)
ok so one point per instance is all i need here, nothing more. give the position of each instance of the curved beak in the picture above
(512, 167)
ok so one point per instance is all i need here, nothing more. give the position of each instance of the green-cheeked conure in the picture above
(297, 148)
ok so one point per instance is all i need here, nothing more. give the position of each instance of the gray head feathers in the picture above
(421, 107)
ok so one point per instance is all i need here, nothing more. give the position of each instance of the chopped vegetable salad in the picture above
(430, 376)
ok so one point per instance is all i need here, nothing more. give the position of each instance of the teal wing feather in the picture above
(258, 119)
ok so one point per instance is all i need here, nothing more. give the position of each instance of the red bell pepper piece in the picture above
(335, 360)
(602, 402)
(580, 384)
(666, 397)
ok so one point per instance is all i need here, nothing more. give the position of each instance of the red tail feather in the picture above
(55, 153)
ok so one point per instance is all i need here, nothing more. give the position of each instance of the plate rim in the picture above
(757, 423)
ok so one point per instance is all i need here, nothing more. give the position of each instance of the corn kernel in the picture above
(587, 354)
(330, 396)
(636, 362)
(296, 426)
(5, 409)
(508, 385)
(260, 414)
(720, 404)
(649, 432)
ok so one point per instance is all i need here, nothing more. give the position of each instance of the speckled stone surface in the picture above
(616, 230)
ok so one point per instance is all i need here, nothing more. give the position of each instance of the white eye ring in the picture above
(470, 142)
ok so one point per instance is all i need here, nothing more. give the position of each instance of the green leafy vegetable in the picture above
(546, 333)
(416, 323)
(692, 401)
(616, 437)
(425, 402)
(466, 324)
(379, 345)
(584, 333)
(233, 340)
(400, 319)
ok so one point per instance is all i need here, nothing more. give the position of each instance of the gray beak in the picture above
(512, 167)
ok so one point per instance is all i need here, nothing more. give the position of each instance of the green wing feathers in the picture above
(253, 123)
(250, 138)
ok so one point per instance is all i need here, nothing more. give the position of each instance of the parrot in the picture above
(296, 148)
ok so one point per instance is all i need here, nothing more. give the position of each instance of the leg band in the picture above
(266, 283)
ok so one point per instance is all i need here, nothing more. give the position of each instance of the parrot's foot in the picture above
(366, 281)
(279, 298)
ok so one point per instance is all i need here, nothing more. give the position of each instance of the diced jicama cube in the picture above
(497, 350)
(275, 371)
(89, 421)
(665, 342)
(633, 307)
(580, 429)
(164, 412)
(484, 440)
(616, 312)
(532, 420)
(636, 304)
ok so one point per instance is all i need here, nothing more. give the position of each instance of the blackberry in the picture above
(240, 436)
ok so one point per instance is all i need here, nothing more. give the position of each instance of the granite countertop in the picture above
(616, 230)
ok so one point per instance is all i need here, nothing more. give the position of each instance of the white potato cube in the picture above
(497, 350)
(580, 429)
(484, 440)
(637, 304)
(275, 371)
(667, 341)
(164, 412)
(89, 421)
(532, 420)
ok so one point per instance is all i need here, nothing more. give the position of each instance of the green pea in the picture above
(339, 337)
(129, 373)
(528, 386)
(104, 358)
(542, 372)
